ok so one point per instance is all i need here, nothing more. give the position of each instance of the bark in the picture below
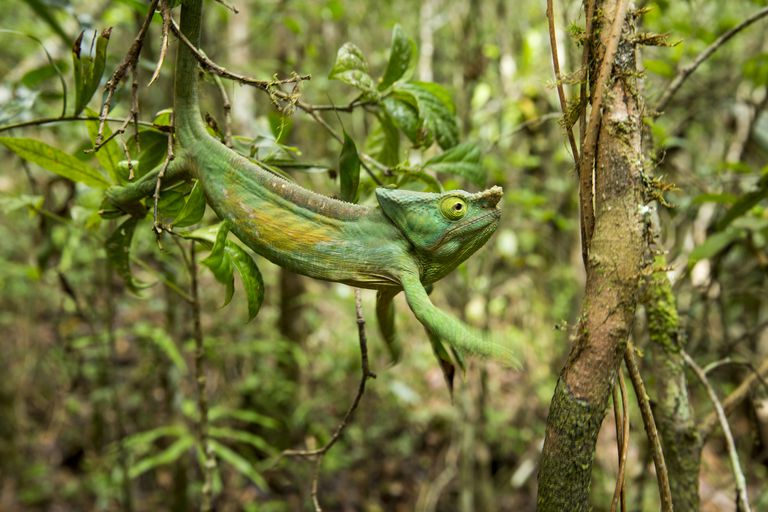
(613, 266)
(680, 438)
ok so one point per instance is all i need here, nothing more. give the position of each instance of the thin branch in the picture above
(740, 481)
(686, 71)
(589, 147)
(758, 375)
(165, 11)
(66, 119)
(226, 105)
(559, 80)
(209, 462)
(585, 55)
(662, 476)
(622, 438)
(128, 64)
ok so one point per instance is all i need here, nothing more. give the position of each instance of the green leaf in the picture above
(109, 155)
(349, 170)
(745, 203)
(89, 67)
(118, 247)
(193, 209)
(55, 161)
(352, 68)
(45, 11)
(136, 442)
(164, 342)
(405, 116)
(462, 160)
(166, 456)
(384, 141)
(220, 264)
(241, 464)
(436, 111)
(242, 436)
(712, 246)
(12, 203)
(253, 284)
(219, 412)
(154, 149)
(401, 56)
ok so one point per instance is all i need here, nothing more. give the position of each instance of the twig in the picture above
(128, 64)
(559, 81)
(228, 6)
(708, 424)
(622, 437)
(662, 477)
(587, 45)
(209, 462)
(67, 119)
(165, 11)
(588, 149)
(742, 504)
(686, 71)
(365, 374)
(227, 107)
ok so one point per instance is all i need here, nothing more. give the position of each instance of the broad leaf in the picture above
(405, 116)
(253, 284)
(349, 170)
(384, 141)
(55, 161)
(89, 67)
(109, 155)
(220, 264)
(118, 247)
(436, 111)
(745, 203)
(352, 68)
(241, 464)
(462, 160)
(401, 55)
(193, 209)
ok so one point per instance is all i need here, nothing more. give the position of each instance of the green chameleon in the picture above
(411, 239)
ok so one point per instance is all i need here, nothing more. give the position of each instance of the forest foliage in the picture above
(113, 322)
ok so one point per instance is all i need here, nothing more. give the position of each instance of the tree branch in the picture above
(686, 71)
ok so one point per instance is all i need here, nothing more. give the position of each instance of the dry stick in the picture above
(165, 11)
(128, 63)
(365, 374)
(738, 475)
(708, 424)
(662, 477)
(687, 71)
(622, 437)
(559, 81)
(585, 69)
(227, 107)
(209, 463)
(588, 149)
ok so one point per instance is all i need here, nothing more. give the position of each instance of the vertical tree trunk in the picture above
(679, 435)
(615, 249)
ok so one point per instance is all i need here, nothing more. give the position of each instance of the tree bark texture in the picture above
(680, 437)
(614, 265)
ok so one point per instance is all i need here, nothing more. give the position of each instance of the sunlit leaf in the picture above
(712, 246)
(352, 68)
(220, 264)
(462, 160)
(401, 55)
(54, 160)
(349, 170)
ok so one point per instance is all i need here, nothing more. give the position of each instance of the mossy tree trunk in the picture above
(614, 252)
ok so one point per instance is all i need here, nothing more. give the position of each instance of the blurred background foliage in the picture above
(98, 379)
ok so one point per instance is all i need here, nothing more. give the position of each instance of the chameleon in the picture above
(405, 242)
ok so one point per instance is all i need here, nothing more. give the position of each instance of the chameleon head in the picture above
(444, 228)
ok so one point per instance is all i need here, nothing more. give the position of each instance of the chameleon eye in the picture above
(453, 208)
